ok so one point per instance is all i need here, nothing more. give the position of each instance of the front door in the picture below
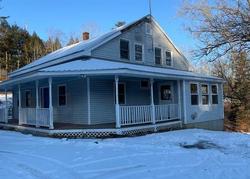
(45, 97)
(166, 93)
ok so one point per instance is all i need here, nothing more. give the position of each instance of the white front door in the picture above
(166, 93)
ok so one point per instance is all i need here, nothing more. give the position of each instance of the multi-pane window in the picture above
(157, 56)
(214, 90)
(204, 92)
(168, 58)
(28, 98)
(124, 49)
(194, 94)
(138, 52)
(62, 95)
(166, 93)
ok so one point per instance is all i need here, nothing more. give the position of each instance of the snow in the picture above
(75, 48)
(95, 64)
(159, 155)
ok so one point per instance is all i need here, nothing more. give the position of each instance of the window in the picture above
(124, 49)
(144, 84)
(62, 95)
(148, 29)
(214, 90)
(194, 94)
(121, 93)
(168, 58)
(44, 95)
(204, 92)
(28, 98)
(157, 56)
(166, 93)
(138, 52)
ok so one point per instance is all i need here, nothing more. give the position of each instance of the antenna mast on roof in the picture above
(151, 24)
(150, 9)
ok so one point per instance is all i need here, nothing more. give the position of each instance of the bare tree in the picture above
(221, 26)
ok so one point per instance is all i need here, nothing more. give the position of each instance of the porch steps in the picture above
(96, 133)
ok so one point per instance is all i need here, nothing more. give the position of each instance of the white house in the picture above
(129, 80)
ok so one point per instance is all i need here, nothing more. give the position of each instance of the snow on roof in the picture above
(78, 47)
(100, 64)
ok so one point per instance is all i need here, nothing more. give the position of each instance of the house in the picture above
(129, 80)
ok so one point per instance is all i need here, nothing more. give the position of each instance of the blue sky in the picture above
(73, 16)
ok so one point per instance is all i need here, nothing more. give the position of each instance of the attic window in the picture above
(148, 29)
(168, 58)
(124, 49)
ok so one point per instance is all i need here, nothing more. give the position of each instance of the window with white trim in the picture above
(28, 98)
(205, 95)
(168, 58)
(124, 49)
(214, 90)
(194, 94)
(62, 95)
(157, 56)
(138, 52)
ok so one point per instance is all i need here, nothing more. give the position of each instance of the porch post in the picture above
(19, 104)
(51, 125)
(117, 107)
(179, 99)
(152, 100)
(37, 103)
(6, 107)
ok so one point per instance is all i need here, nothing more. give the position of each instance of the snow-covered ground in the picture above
(162, 155)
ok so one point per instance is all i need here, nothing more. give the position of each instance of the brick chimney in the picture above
(85, 36)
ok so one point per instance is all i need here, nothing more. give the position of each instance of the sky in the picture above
(71, 17)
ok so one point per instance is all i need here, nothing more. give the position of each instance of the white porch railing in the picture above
(166, 112)
(130, 115)
(43, 117)
(2, 114)
(33, 116)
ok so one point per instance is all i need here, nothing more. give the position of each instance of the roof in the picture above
(117, 67)
(80, 49)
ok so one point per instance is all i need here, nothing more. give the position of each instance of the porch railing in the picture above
(166, 112)
(33, 116)
(130, 115)
(43, 117)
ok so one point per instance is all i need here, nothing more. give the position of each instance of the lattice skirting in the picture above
(95, 133)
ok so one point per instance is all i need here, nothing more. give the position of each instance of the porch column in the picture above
(51, 120)
(117, 107)
(179, 98)
(6, 107)
(19, 104)
(152, 100)
(37, 103)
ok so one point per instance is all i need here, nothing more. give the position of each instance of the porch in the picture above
(39, 103)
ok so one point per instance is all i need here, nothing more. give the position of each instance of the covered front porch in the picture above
(94, 102)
